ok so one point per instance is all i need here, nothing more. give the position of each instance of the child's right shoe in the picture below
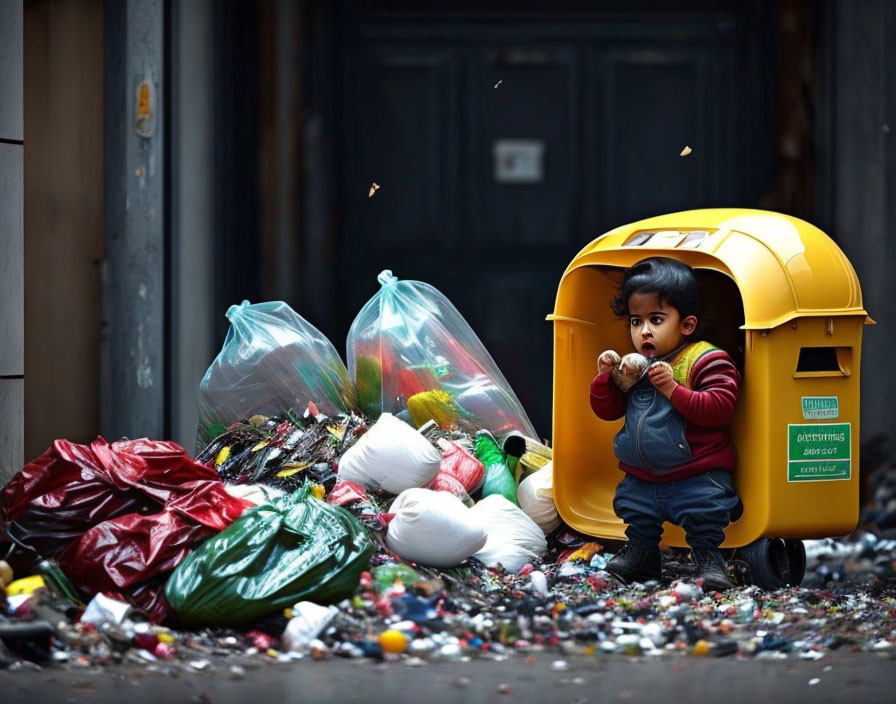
(636, 563)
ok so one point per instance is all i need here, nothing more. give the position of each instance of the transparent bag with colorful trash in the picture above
(411, 353)
(272, 360)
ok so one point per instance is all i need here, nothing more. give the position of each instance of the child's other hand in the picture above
(607, 361)
(660, 375)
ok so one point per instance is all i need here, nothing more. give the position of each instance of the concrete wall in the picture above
(12, 334)
(63, 219)
(856, 200)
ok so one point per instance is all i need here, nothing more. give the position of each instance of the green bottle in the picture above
(498, 479)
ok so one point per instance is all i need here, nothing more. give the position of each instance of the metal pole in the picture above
(132, 335)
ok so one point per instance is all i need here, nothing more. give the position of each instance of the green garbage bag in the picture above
(295, 548)
(498, 479)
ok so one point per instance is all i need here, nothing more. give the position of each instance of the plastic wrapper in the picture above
(272, 360)
(629, 370)
(296, 548)
(345, 492)
(411, 353)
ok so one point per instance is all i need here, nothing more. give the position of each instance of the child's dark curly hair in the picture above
(672, 281)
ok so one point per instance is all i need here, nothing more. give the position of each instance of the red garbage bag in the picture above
(132, 556)
(71, 488)
(119, 516)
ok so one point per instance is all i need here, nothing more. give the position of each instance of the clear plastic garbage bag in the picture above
(412, 354)
(272, 360)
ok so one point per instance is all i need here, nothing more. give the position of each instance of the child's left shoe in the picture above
(713, 570)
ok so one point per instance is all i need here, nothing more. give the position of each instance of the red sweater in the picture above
(706, 406)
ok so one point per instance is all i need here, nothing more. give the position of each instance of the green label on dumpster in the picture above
(820, 407)
(818, 452)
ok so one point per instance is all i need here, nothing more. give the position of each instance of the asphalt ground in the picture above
(844, 677)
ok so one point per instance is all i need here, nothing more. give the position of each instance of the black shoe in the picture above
(636, 563)
(713, 570)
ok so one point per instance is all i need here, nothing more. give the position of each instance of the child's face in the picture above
(656, 328)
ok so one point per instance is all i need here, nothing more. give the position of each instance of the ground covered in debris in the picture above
(415, 616)
(562, 604)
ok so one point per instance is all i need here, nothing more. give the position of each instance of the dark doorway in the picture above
(504, 143)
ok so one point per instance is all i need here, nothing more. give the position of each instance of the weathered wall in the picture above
(856, 199)
(63, 219)
(12, 335)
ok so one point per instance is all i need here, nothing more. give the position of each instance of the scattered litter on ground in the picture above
(557, 600)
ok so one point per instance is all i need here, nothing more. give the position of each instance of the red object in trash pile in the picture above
(119, 516)
(346, 492)
(458, 465)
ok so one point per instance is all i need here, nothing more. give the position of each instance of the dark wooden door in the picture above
(488, 192)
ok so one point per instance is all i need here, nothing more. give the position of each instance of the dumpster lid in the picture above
(784, 267)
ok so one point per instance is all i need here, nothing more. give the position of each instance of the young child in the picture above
(676, 457)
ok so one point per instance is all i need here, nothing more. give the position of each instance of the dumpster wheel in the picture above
(771, 563)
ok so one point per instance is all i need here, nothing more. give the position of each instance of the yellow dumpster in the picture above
(784, 301)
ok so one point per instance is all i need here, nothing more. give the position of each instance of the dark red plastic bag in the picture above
(120, 516)
(131, 551)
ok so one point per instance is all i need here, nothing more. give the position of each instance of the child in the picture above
(676, 457)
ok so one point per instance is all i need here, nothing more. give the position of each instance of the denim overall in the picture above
(658, 442)
(653, 438)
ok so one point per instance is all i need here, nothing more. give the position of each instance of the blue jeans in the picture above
(703, 505)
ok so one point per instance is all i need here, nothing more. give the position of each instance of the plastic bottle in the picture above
(498, 479)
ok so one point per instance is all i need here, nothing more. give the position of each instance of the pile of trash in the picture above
(400, 508)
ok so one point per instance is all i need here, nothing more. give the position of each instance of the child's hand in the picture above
(607, 361)
(660, 375)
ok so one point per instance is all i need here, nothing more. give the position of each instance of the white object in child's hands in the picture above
(630, 369)
(607, 359)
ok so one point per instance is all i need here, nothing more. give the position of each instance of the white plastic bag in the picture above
(513, 538)
(536, 497)
(256, 494)
(433, 528)
(308, 620)
(411, 353)
(391, 456)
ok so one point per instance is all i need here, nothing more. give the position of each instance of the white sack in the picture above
(536, 497)
(433, 528)
(391, 456)
(513, 538)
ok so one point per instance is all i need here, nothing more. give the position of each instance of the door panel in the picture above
(608, 104)
(536, 102)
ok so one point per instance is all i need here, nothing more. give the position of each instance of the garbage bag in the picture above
(513, 539)
(391, 456)
(71, 488)
(412, 354)
(498, 479)
(433, 528)
(131, 556)
(536, 497)
(272, 360)
(296, 548)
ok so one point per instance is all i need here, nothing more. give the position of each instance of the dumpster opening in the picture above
(721, 313)
(823, 361)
